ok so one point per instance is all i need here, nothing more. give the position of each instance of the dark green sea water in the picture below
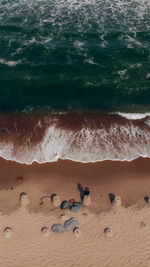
(75, 55)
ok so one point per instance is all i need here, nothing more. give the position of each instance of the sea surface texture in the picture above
(75, 55)
(74, 80)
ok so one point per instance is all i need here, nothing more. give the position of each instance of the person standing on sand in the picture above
(86, 191)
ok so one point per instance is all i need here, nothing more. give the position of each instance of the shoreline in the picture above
(26, 138)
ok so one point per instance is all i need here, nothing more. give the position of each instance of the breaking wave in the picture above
(81, 137)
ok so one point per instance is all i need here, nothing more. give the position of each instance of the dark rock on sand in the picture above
(75, 209)
(65, 205)
(71, 224)
(76, 203)
(58, 228)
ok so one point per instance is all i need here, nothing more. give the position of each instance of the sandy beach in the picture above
(129, 223)
(75, 133)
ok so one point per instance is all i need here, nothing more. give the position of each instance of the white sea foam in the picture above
(134, 116)
(125, 16)
(118, 142)
(10, 63)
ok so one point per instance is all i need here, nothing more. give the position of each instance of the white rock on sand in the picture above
(24, 201)
(8, 232)
(86, 200)
(77, 232)
(56, 201)
(117, 201)
(108, 232)
(45, 231)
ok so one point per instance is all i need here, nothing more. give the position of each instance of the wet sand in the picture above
(130, 180)
(129, 246)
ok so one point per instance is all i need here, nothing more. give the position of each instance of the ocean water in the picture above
(74, 80)
(75, 55)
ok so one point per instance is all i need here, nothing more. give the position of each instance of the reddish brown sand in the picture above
(129, 245)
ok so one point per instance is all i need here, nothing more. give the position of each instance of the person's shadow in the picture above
(81, 190)
(111, 197)
(146, 199)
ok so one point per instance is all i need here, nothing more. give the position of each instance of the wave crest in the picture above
(79, 137)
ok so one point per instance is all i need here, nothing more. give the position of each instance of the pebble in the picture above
(75, 209)
(76, 203)
(58, 228)
(71, 224)
(65, 205)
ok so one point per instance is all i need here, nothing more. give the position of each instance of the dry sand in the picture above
(129, 244)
